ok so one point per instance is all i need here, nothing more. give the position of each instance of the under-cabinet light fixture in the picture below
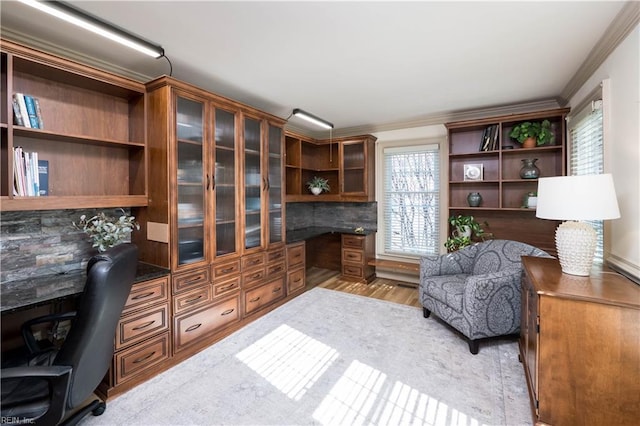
(312, 118)
(91, 23)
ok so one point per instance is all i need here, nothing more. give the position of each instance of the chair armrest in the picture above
(59, 378)
(27, 334)
(458, 262)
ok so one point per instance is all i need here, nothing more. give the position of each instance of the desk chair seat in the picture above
(51, 385)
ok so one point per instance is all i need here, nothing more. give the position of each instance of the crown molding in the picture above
(622, 25)
(38, 43)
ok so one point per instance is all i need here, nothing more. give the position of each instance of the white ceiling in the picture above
(356, 64)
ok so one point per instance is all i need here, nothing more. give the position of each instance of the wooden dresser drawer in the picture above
(191, 300)
(195, 325)
(252, 261)
(354, 256)
(295, 255)
(354, 271)
(136, 327)
(263, 295)
(146, 293)
(226, 269)
(253, 277)
(134, 360)
(223, 287)
(276, 269)
(188, 280)
(295, 280)
(352, 241)
(276, 255)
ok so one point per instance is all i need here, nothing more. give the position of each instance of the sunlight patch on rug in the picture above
(289, 360)
(362, 390)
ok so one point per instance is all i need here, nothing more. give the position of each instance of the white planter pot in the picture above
(316, 191)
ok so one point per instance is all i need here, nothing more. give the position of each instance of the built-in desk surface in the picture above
(314, 231)
(31, 292)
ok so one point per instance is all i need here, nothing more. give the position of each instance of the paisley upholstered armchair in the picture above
(476, 290)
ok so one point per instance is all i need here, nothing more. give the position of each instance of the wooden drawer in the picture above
(192, 326)
(253, 277)
(276, 255)
(350, 270)
(192, 279)
(352, 241)
(226, 269)
(263, 295)
(191, 300)
(276, 269)
(295, 255)
(295, 280)
(252, 261)
(353, 256)
(132, 361)
(146, 293)
(223, 287)
(139, 326)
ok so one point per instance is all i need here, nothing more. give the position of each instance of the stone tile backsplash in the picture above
(339, 215)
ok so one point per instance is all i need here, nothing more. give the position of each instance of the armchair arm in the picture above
(492, 302)
(458, 262)
(59, 378)
(27, 334)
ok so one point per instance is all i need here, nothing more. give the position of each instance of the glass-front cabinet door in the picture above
(274, 184)
(253, 183)
(354, 170)
(225, 182)
(191, 181)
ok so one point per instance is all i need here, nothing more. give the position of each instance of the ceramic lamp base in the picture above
(576, 244)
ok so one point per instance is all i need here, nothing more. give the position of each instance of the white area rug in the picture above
(331, 358)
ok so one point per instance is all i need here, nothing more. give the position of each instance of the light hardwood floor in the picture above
(379, 288)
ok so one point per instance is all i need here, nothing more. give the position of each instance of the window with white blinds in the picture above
(586, 155)
(411, 200)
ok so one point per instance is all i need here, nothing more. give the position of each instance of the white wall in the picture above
(622, 146)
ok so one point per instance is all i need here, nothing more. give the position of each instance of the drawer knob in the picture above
(193, 327)
(145, 325)
(144, 358)
(142, 296)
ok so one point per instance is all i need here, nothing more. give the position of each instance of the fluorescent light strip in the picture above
(90, 23)
(312, 118)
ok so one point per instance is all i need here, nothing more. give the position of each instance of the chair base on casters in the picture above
(95, 407)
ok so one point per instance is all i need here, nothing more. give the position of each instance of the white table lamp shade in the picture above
(574, 198)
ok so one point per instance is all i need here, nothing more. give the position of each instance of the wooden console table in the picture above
(580, 345)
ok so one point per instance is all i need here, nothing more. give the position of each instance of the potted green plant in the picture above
(318, 184)
(107, 231)
(531, 134)
(464, 230)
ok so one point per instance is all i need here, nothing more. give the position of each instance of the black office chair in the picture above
(50, 388)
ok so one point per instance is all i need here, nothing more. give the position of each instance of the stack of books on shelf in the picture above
(489, 140)
(26, 111)
(30, 175)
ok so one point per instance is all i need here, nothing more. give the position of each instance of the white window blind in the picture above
(586, 155)
(411, 200)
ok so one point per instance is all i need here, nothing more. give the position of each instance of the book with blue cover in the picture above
(43, 175)
(31, 111)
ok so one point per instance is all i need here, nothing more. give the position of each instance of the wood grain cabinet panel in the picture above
(295, 280)
(295, 255)
(187, 281)
(356, 252)
(277, 268)
(192, 299)
(136, 327)
(138, 358)
(223, 270)
(263, 295)
(225, 287)
(146, 293)
(203, 322)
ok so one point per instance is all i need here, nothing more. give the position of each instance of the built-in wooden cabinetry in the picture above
(357, 250)
(580, 345)
(502, 189)
(296, 267)
(347, 163)
(93, 133)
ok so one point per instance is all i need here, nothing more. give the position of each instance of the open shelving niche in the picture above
(93, 135)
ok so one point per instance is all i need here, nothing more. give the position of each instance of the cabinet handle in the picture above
(227, 270)
(278, 269)
(145, 325)
(277, 255)
(227, 287)
(255, 261)
(264, 184)
(254, 300)
(275, 290)
(298, 280)
(195, 299)
(193, 280)
(256, 275)
(227, 312)
(213, 182)
(208, 181)
(193, 327)
(143, 296)
(268, 184)
(144, 358)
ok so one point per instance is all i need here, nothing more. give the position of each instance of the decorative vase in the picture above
(474, 199)
(530, 143)
(316, 191)
(531, 200)
(529, 169)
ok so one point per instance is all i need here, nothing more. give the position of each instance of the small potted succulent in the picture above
(532, 134)
(318, 184)
(107, 231)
